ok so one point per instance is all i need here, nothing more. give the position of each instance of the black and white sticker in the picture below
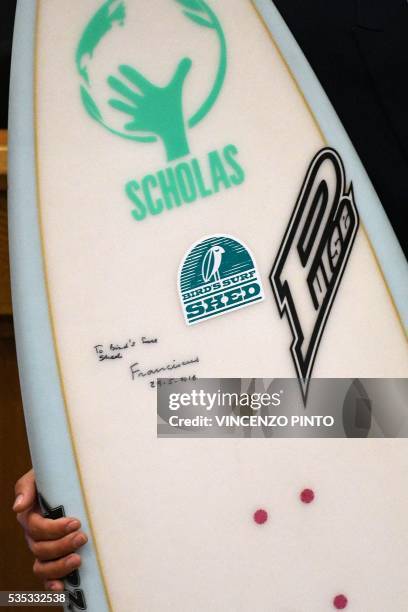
(313, 256)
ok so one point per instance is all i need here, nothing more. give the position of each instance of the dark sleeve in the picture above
(358, 49)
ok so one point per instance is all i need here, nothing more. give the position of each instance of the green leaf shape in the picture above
(194, 5)
(200, 20)
(103, 20)
(90, 104)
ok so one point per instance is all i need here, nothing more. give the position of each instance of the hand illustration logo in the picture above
(156, 109)
(151, 112)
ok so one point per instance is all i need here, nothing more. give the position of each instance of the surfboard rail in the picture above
(47, 427)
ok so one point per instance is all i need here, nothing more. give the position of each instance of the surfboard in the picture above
(184, 202)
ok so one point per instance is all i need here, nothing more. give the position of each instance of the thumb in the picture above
(182, 70)
(25, 491)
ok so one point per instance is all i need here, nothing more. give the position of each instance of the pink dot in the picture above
(340, 602)
(260, 516)
(307, 496)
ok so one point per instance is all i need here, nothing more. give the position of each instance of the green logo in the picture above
(217, 275)
(148, 112)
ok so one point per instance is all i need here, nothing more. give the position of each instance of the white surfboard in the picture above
(183, 198)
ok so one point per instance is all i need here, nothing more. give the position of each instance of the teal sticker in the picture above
(217, 275)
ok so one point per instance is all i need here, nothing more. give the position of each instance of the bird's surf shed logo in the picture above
(217, 275)
(149, 73)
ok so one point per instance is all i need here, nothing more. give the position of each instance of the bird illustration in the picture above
(211, 264)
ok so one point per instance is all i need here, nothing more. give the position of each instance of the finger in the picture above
(125, 108)
(25, 491)
(51, 570)
(40, 528)
(123, 90)
(136, 125)
(182, 70)
(54, 549)
(135, 77)
(54, 585)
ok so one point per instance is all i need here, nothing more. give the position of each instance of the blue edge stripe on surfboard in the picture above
(47, 426)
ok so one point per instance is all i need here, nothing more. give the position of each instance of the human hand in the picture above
(52, 542)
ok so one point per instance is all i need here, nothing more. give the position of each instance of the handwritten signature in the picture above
(115, 351)
(137, 372)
